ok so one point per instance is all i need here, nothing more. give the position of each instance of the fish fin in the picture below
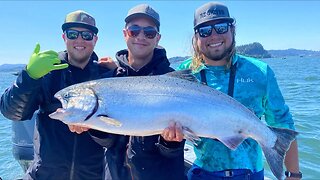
(183, 74)
(109, 121)
(232, 142)
(275, 155)
(190, 135)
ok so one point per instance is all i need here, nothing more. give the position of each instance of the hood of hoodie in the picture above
(159, 59)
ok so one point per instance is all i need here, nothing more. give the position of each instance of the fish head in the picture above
(79, 103)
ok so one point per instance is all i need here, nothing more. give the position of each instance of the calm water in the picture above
(9, 168)
(299, 80)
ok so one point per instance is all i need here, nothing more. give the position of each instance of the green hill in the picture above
(253, 50)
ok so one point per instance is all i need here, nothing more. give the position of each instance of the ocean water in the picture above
(299, 80)
(9, 168)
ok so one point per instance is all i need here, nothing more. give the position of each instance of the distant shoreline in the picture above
(17, 67)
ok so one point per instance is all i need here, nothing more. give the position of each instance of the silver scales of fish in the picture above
(143, 106)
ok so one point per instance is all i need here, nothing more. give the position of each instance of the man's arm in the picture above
(278, 115)
(19, 101)
(291, 160)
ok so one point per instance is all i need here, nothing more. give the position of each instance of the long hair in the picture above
(198, 57)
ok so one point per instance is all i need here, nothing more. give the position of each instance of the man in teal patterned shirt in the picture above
(251, 82)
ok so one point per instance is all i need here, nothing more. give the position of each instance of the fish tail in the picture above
(275, 155)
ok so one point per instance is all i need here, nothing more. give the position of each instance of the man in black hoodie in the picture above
(151, 157)
(60, 151)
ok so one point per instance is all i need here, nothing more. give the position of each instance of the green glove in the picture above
(41, 63)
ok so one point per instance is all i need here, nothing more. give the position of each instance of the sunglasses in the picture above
(149, 32)
(73, 34)
(206, 31)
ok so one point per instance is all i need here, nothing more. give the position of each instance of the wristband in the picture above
(294, 175)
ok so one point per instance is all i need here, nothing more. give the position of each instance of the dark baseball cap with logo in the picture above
(143, 10)
(209, 12)
(80, 19)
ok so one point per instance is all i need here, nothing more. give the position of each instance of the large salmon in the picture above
(142, 106)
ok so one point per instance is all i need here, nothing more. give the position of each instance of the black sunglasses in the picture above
(206, 31)
(73, 34)
(149, 32)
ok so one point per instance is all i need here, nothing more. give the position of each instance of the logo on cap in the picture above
(212, 12)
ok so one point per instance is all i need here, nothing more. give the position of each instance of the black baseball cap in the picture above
(80, 19)
(211, 11)
(143, 10)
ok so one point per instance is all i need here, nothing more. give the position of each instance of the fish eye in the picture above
(70, 95)
(66, 96)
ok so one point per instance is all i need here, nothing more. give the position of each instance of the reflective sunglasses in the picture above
(149, 32)
(73, 34)
(206, 31)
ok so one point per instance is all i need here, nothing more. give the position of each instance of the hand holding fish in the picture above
(78, 129)
(173, 132)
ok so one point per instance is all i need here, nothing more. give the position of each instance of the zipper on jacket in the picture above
(73, 157)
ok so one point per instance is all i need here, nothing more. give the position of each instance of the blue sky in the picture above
(275, 24)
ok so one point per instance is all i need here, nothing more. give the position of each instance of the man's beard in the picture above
(217, 57)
